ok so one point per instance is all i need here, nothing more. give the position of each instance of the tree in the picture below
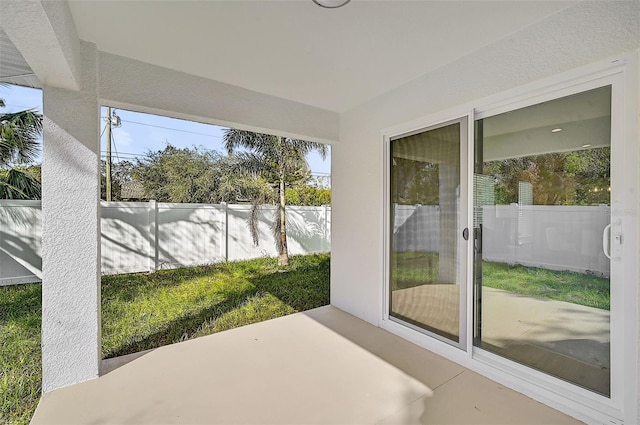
(281, 162)
(561, 178)
(121, 172)
(414, 182)
(305, 194)
(193, 176)
(179, 175)
(19, 132)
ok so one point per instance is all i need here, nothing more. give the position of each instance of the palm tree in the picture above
(281, 162)
(19, 132)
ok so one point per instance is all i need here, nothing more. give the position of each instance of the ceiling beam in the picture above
(45, 35)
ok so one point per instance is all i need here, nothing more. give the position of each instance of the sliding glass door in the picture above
(427, 287)
(542, 239)
(510, 238)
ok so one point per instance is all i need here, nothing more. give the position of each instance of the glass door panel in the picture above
(426, 271)
(541, 217)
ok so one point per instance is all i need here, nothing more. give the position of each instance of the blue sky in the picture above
(140, 133)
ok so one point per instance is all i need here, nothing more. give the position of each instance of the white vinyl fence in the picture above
(20, 242)
(147, 236)
(552, 237)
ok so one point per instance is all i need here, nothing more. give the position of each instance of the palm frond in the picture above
(19, 132)
(305, 147)
(235, 139)
(17, 184)
(254, 220)
(253, 163)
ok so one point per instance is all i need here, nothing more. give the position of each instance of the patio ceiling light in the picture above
(331, 4)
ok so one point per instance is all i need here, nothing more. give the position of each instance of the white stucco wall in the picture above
(70, 239)
(584, 33)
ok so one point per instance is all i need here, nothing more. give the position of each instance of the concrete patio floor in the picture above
(321, 366)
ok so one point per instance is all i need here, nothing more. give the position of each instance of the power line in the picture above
(36, 108)
(103, 153)
(130, 153)
(173, 129)
(215, 136)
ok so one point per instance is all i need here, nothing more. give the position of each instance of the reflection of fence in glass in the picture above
(484, 194)
(525, 193)
(147, 236)
(566, 237)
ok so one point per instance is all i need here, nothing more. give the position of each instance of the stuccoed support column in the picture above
(71, 231)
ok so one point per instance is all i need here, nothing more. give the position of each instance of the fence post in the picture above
(226, 231)
(325, 243)
(153, 236)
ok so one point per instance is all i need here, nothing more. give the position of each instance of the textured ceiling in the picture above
(334, 59)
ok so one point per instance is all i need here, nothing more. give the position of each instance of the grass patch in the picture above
(142, 311)
(20, 369)
(409, 269)
(420, 268)
(572, 287)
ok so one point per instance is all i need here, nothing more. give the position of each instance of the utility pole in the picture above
(108, 171)
(113, 121)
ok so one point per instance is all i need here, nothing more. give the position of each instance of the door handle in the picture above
(465, 233)
(606, 245)
(477, 238)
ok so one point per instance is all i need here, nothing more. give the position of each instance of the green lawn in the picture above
(20, 376)
(416, 268)
(142, 311)
(409, 269)
(577, 288)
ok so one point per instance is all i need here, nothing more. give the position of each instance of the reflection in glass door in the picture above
(426, 261)
(541, 217)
